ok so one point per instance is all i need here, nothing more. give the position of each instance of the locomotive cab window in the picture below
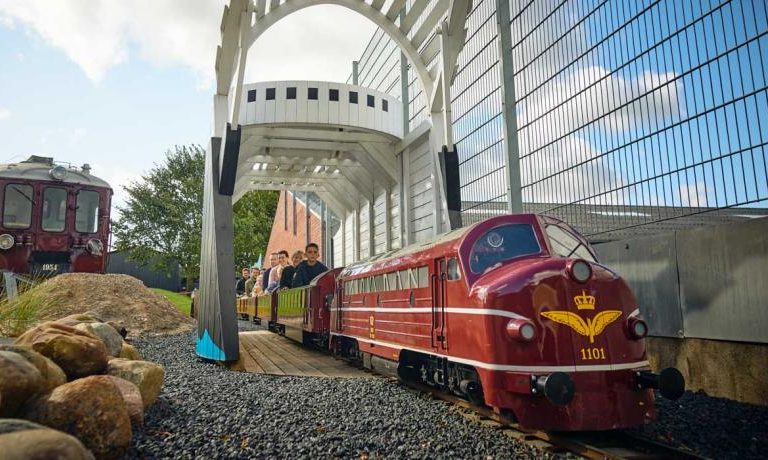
(453, 269)
(566, 244)
(501, 244)
(54, 209)
(87, 215)
(17, 206)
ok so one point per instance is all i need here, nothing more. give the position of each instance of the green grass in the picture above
(181, 301)
(18, 315)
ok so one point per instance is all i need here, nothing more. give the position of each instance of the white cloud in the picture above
(4, 113)
(315, 43)
(97, 34)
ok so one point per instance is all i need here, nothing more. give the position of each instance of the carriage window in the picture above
(87, 215)
(453, 269)
(502, 244)
(566, 244)
(378, 283)
(54, 209)
(17, 209)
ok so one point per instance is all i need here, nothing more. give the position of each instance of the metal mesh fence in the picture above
(631, 114)
(632, 117)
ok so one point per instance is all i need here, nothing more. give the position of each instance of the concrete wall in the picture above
(708, 282)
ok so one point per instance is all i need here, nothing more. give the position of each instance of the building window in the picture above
(285, 210)
(290, 92)
(270, 94)
(353, 97)
(371, 101)
(385, 105)
(333, 94)
(251, 95)
(312, 94)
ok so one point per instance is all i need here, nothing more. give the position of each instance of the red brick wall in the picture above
(282, 238)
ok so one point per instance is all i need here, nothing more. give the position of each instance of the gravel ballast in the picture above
(208, 411)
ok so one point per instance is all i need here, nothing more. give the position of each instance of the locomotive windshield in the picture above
(17, 206)
(501, 244)
(566, 244)
(54, 209)
(87, 216)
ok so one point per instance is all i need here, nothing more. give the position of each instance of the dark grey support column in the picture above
(217, 337)
(514, 188)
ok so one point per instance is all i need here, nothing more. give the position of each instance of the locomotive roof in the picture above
(38, 169)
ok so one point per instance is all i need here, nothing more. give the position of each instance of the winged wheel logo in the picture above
(591, 327)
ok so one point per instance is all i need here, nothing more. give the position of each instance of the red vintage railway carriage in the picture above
(54, 218)
(514, 312)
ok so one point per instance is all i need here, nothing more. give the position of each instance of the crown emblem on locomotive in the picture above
(584, 301)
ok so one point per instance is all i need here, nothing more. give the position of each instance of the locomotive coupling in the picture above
(557, 387)
(669, 382)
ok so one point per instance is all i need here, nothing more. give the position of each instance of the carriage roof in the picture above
(37, 168)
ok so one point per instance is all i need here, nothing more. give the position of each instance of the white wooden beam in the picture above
(395, 8)
(430, 22)
(413, 14)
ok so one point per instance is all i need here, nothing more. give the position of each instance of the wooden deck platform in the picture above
(264, 352)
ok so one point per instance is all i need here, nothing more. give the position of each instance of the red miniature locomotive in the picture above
(54, 219)
(514, 312)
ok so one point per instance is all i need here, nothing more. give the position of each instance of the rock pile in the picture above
(73, 389)
(113, 297)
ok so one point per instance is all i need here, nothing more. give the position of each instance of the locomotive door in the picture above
(439, 276)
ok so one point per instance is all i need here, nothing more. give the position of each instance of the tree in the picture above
(254, 213)
(161, 222)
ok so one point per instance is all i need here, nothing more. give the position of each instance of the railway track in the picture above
(607, 445)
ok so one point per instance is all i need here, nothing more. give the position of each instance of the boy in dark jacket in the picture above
(310, 268)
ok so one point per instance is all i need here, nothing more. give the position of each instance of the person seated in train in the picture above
(249, 285)
(277, 271)
(240, 285)
(286, 279)
(307, 270)
(266, 272)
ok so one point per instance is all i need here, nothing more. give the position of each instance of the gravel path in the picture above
(713, 427)
(207, 411)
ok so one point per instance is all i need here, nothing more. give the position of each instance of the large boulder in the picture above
(129, 352)
(78, 353)
(19, 380)
(52, 374)
(22, 439)
(146, 375)
(91, 409)
(132, 397)
(108, 334)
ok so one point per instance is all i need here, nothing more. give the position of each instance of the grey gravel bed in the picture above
(716, 428)
(207, 411)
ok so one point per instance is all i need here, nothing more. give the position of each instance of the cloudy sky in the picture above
(115, 83)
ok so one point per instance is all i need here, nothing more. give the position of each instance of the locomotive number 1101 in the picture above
(590, 354)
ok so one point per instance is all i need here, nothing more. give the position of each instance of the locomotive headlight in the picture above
(58, 172)
(7, 241)
(94, 246)
(580, 271)
(521, 329)
(637, 328)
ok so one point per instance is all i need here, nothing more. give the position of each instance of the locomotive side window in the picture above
(393, 283)
(423, 276)
(453, 269)
(405, 279)
(17, 206)
(566, 244)
(54, 209)
(87, 215)
(501, 244)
